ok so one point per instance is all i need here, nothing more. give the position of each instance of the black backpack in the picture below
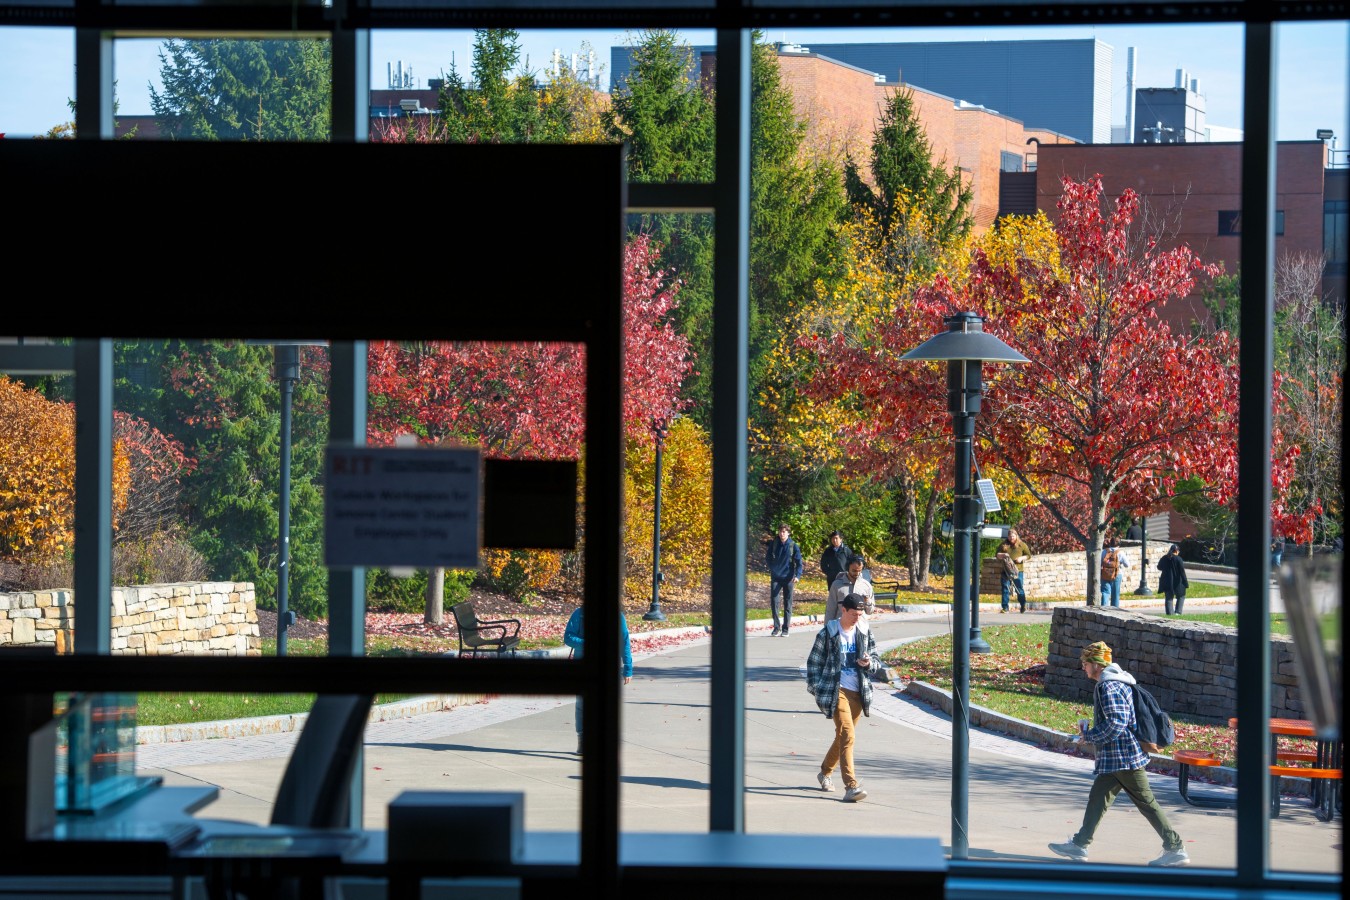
(1153, 726)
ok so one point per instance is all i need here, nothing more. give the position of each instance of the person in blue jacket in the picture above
(574, 637)
(784, 560)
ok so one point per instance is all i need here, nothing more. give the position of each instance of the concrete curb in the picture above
(1062, 742)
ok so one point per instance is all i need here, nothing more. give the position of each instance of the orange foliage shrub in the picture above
(37, 475)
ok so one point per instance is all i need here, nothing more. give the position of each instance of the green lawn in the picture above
(1007, 680)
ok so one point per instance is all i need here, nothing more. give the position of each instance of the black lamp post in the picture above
(964, 347)
(1143, 589)
(286, 358)
(660, 427)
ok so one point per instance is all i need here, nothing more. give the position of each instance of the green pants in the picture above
(1135, 783)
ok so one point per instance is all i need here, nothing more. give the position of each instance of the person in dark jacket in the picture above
(1173, 582)
(835, 558)
(784, 559)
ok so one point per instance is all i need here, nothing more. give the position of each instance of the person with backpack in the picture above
(1173, 581)
(783, 558)
(1114, 563)
(1120, 762)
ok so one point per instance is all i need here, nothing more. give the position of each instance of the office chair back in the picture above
(315, 790)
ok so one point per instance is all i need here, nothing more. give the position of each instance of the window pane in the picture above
(224, 89)
(37, 82)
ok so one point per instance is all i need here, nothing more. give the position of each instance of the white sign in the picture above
(393, 506)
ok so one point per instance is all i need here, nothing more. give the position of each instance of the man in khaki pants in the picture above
(838, 675)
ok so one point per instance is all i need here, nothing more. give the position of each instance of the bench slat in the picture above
(1296, 772)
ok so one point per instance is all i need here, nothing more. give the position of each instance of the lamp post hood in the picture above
(965, 338)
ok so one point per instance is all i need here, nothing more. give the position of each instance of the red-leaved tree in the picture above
(527, 400)
(1112, 398)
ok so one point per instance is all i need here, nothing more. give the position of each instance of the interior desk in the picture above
(657, 866)
(138, 835)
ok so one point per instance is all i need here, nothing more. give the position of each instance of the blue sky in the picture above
(37, 77)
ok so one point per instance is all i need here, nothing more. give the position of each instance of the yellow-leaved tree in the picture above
(686, 509)
(37, 476)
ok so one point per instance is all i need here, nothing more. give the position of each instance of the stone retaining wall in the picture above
(1065, 574)
(198, 619)
(1190, 667)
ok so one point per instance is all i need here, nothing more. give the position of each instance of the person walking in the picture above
(838, 674)
(1120, 760)
(784, 559)
(1013, 553)
(1173, 581)
(1276, 553)
(849, 581)
(835, 558)
(1115, 560)
(574, 636)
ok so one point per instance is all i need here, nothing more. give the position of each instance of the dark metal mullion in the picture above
(731, 317)
(347, 587)
(296, 674)
(36, 359)
(94, 79)
(350, 110)
(603, 563)
(347, 395)
(1257, 253)
(93, 496)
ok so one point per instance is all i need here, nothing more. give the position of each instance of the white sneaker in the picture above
(1070, 850)
(854, 794)
(1178, 857)
(826, 782)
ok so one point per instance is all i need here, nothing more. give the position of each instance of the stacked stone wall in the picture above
(1065, 574)
(197, 619)
(1190, 667)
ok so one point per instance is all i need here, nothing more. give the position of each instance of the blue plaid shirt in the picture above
(1113, 729)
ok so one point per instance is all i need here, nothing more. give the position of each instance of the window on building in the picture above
(1230, 222)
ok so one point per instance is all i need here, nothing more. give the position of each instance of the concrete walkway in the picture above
(1020, 796)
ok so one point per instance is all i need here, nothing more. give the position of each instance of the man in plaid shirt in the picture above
(838, 674)
(1120, 760)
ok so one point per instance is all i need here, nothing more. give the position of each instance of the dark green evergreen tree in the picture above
(796, 201)
(503, 103)
(666, 116)
(902, 164)
(222, 401)
(245, 90)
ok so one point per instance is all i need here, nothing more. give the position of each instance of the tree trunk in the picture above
(926, 535)
(435, 609)
(1096, 537)
(910, 528)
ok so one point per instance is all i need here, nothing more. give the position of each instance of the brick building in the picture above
(1197, 188)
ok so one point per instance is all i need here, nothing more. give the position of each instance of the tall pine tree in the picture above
(245, 90)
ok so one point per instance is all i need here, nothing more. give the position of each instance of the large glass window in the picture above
(880, 181)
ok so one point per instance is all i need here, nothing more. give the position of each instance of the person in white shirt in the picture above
(838, 675)
(850, 581)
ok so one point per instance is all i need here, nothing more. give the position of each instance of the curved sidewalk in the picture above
(1021, 796)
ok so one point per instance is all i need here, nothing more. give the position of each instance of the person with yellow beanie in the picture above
(1121, 760)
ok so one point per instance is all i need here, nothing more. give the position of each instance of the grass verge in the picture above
(1010, 681)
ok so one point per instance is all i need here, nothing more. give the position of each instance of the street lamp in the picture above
(660, 428)
(286, 358)
(1143, 589)
(965, 346)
